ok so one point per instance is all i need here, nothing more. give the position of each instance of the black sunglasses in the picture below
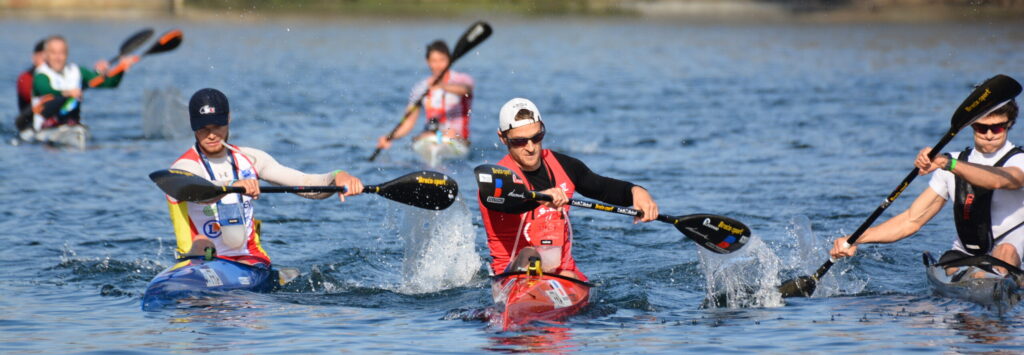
(994, 128)
(521, 142)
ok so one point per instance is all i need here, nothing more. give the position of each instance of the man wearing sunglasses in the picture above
(542, 229)
(985, 184)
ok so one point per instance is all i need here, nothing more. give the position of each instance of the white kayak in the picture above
(434, 150)
(64, 136)
(975, 280)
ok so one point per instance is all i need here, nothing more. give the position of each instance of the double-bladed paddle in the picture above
(424, 189)
(475, 35)
(987, 97)
(167, 42)
(502, 190)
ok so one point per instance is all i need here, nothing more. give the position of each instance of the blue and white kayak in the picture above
(974, 279)
(195, 277)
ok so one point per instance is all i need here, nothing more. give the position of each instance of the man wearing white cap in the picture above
(543, 229)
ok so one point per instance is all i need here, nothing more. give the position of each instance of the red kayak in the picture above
(526, 298)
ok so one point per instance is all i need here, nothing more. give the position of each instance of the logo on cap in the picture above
(207, 109)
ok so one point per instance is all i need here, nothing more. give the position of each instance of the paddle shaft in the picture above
(301, 189)
(411, 108)
(602, 207)
(887, 202)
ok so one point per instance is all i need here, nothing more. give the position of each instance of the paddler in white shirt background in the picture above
(57, 77)
(227, 223)
(985, 184)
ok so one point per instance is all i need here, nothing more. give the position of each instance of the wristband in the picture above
(336, 172)
(951, 165)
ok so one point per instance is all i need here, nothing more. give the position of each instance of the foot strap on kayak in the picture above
(534, 268)
(985, 262)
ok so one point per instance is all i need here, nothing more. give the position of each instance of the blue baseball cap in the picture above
(208, 106)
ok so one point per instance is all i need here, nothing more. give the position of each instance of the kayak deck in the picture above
(70, 136)
(198, 277)
(993, 291)
(524, 299)
(434, 151)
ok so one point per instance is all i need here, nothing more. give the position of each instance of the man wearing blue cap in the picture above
(227, 222)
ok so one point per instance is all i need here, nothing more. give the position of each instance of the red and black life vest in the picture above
(972, 210)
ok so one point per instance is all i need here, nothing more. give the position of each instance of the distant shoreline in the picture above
(692, 11)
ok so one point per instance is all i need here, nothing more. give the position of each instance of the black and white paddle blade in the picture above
(719, 234)
(185, 186)
(424, 189)
(501, 189)
(475, 35)
(987, 97)
(135, 41)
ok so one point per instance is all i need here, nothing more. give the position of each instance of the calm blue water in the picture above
(797, 130)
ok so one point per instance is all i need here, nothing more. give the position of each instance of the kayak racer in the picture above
(542, 230)
(55, 77)
(227, 221)
(446, 105)
(985, 184)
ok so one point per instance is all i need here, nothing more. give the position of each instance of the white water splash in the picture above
(746, 278)
(165, 114)
(440, 249)
(811, 252)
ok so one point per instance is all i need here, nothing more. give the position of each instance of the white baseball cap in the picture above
(507, 115)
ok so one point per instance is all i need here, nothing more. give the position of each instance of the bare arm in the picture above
(903, 225)
(408, 123)
(989, 177)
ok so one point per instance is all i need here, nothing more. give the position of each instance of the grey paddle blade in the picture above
(135, 41)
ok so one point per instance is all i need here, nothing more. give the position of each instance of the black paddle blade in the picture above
(167, 42)
(185, 186)
(987, 97)
(719, 234)
(424, 189)
(802, 286)
(501, 189)
(135, 41)
(475, 35)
